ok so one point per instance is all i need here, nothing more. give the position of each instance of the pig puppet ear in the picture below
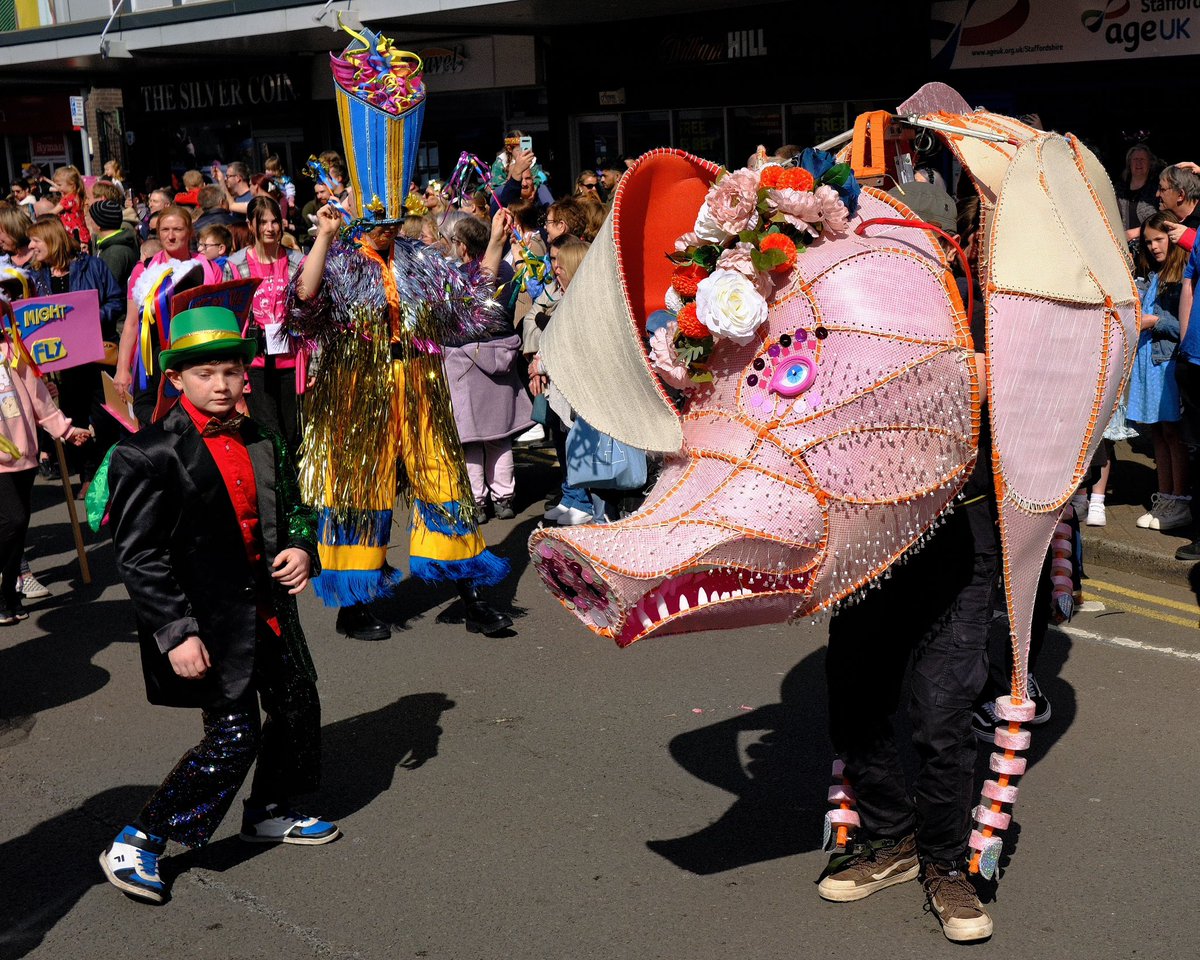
(594, 347)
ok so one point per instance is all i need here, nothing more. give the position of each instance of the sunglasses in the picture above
(590, 186)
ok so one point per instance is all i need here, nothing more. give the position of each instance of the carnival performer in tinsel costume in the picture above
(377, 308)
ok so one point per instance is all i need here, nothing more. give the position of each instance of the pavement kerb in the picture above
(1104, 550)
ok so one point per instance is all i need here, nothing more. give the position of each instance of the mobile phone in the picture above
(527, 144)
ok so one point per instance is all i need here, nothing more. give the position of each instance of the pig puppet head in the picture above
(821, 450)
(831, 442)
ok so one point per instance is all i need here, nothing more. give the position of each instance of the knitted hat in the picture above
(205, 333)
(106, 214)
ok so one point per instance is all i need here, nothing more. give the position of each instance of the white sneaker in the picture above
(273, 824)
(1096, 514)
(131, 864)
(1172, 513)
(554, 512)
(1147, 518)
(535, 434)
(31, 588)
(572, 517)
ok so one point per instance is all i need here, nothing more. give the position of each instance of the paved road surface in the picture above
(548, 797)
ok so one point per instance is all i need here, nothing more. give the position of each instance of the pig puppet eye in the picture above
(793, 376)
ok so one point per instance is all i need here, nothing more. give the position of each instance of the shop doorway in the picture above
(597, 141)
(287, 144)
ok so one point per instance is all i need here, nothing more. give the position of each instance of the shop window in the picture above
(598, 140)
(645, 130)
(701, 132)
(811, 123)
(751, 126)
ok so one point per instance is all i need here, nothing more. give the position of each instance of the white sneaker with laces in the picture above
(1147, 518)
(1172, 513)
(535, 434)
(31, 588)
(572, 517)
(1096, 515)
(131, 864)
(554, 512)
(273, 824)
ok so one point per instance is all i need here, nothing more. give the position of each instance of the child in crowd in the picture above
(213, 546)
(69, 209)
(1153, 392)
(25, 404)
(215, 243)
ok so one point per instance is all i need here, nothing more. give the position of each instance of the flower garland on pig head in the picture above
(749, 231)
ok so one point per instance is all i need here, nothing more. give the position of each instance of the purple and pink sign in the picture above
(62, 330)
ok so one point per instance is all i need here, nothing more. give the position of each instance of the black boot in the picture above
(479, 617)
(359, 623)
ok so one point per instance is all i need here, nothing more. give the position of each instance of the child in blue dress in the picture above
(1153, 392)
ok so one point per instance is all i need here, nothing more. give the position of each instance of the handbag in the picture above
(597, 461)
(541, 409)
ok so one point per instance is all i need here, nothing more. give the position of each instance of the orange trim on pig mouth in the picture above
(582, 588)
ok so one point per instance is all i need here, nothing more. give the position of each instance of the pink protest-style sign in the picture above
(61, 331)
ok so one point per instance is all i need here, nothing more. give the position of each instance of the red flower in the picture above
(770, 177)
(685, 279)
(796, 178)
(689, 323)
(782, 243)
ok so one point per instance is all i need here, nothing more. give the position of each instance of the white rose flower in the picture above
(673, 301)
(729, 305)
(707, 228)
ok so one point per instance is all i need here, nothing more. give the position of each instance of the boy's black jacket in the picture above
(180, 553)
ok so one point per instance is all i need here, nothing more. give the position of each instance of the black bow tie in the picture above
(232, 425)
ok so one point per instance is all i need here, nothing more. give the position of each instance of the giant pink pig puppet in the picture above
(773, 506)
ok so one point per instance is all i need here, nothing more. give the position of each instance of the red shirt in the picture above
(233, 461)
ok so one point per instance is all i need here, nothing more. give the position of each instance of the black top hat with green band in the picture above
(206, 333)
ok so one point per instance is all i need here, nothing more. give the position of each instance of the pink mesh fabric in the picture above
(906, 462)
(915, 396)
(1023, 332)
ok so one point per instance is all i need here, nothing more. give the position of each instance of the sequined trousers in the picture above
(196, 795)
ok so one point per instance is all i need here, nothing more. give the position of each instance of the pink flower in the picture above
(833, 211)
(664, 359)
(733, 201)
(737, 258)
(687, 240)
(798, 207)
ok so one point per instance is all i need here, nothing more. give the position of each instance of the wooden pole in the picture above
(84, 570)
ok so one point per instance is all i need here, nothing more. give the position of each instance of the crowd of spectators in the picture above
(68, 233)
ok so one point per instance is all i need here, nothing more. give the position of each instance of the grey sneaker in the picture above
(1147, 518)
(865, 868)
(1172, 513)
(951, 897)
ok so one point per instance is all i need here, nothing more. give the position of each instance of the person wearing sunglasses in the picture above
(587, 186)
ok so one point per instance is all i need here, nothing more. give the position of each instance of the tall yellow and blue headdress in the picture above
(380, 97)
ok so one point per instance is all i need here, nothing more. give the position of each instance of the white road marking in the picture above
(1127, 642)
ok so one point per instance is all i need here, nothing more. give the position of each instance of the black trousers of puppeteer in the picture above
(934, 611)
(197, 794)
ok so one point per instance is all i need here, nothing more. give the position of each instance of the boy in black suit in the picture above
(213, 546)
